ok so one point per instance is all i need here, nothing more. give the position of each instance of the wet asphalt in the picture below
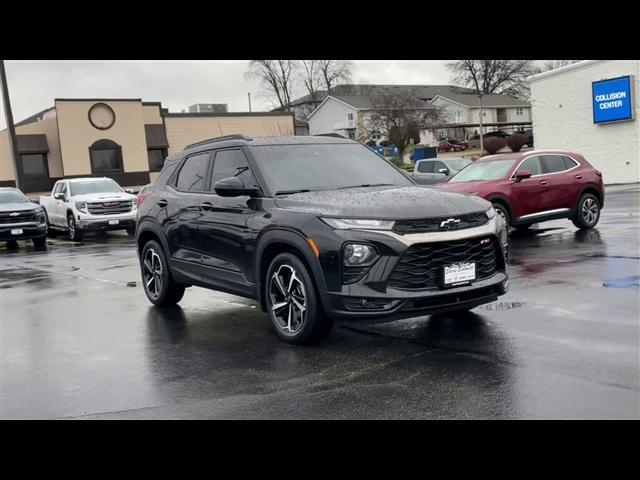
(79, 342)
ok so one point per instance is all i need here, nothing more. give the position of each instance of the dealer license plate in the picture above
(459, 273)
(114, 222)
(16, 231)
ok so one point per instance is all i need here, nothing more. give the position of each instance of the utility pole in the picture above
(249, 95)
(13, 141)
(481, 129)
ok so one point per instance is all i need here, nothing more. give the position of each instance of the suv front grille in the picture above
(23, 216)
(110, 208)
(426, 225)
(422, 264)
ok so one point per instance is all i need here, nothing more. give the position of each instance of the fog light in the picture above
(356, 254)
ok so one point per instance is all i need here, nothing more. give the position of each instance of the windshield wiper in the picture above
(289, 192)
(367, 185)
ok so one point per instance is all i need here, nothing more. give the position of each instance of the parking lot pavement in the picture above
(78, 342)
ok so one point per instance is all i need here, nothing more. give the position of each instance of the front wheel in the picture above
(74, 233)
(293, 304)
(502, 211)
(588, 212)
(158, 285)
(40, 242)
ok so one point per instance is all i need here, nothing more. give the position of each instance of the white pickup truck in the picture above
(87, 204)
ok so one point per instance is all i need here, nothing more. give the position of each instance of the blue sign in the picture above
(612, 100)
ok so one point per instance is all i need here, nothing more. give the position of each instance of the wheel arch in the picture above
(592, 189)
(504, 201)
(148, 230)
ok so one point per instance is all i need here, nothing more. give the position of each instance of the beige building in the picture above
(125, 139)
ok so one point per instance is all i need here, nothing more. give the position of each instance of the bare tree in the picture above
(493, 76)
(334, 72)
(311, 77)
(401, 116)
(277, 78)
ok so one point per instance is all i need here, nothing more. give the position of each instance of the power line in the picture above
(85, 80)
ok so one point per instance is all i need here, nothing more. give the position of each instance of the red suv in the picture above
(531, 187)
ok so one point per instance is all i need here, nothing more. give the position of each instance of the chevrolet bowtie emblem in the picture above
(449, 223)
(14, 214)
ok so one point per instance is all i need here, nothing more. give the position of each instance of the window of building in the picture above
(232, 163)
(350, 116)
(191, 176)
(352, 135)
(484, 113)
(34, 164)
(106, 157)
(156, 158)
(519, 111)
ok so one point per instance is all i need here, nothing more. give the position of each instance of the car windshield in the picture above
(484, 170)
(12, 196)
(458, 163)
(289, 168)
(97, 186)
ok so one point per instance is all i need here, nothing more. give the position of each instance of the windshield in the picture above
(97, 186)
(458, 163)
(324, 167)
(12, 196)
(486, 170)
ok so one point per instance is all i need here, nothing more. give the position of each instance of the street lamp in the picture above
(481, 129)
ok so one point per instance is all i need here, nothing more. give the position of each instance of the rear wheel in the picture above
(74, 233)
(588, 212)
(293, 304)
(158, 285)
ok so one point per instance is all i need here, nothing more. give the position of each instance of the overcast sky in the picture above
(33, 85)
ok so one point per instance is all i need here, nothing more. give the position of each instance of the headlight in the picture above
(356, 254)
(490, 213)
(82, 206)
(351, 223)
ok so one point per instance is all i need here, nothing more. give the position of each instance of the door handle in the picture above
(162, 203)
(578, 177)
(206, 207)
(543, 182)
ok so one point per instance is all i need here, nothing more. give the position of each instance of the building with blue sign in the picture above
(591, 107)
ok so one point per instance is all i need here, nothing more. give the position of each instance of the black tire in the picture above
(587, 212)
(40, 242)
(131, 231)
(74, 233)
(12, 245)
(504, 212)
(161, 290)
(51, 232)
(523, 228)
(306, 327)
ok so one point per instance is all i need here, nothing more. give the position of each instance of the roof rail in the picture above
(219, 139)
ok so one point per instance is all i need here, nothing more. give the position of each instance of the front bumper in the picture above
(372, 297)
(106, 222)
(29, 230)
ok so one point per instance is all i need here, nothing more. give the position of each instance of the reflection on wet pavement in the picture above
(80, 340)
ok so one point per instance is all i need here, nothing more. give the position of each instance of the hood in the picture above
(464, 187)
(384, 203)
(18, 207)
(103, 197)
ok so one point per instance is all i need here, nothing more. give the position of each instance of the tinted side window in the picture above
(232, 163)
(437, 166)
(553, 163)
(425, 167)
(192, 173)
(532, 164)
(568, 163)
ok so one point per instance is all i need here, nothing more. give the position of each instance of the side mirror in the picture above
(59, 196)
(522, 174)
(444, 170)
(233, 187)
(128, 190)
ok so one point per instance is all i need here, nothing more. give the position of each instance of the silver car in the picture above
(438, 170)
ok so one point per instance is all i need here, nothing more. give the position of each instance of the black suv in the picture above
(314, 228)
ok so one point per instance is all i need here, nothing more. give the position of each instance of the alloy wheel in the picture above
(288, 299)
(589, 210)
(152, 272)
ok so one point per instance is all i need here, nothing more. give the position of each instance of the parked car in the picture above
(532, 187)
(79, 205)
(461, 143)
(314, 229)
(448, 146)
(439, 170)
(474, 142)
(20, 218)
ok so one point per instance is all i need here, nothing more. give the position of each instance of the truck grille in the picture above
(26, 216)
(110, 208)
(421, 266)
(433, 224)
